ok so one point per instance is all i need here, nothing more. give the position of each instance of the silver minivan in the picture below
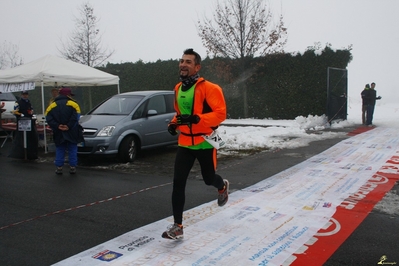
(128, 122)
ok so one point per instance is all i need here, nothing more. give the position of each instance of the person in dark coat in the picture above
(370, 99)
(63, 115)
(364, 103)
(23, 110)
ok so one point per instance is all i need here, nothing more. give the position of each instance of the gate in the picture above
(337, 94)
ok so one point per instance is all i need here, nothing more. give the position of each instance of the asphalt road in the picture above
(46, 218)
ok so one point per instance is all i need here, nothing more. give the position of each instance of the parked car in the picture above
(128, 122)
(9, 99)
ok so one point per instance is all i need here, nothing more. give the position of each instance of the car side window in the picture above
(139, 112)
(7, 96)
(169, 98)
(157, 103)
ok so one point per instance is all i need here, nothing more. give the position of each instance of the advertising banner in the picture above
(13, 87)
(310, 208)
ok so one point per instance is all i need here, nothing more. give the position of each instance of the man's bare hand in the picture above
(63, 127)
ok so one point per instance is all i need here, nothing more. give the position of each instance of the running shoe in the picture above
(72, 170)
(174, 231)
(58, 171)
(223, 196)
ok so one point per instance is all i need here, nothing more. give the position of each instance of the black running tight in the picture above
(184, 161)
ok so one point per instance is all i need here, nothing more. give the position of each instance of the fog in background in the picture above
(157, 29)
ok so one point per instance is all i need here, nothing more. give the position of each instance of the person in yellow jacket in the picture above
(200, 108)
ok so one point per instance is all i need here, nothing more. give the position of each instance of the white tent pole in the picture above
(44, 122)
(118, 88)
(42, 100)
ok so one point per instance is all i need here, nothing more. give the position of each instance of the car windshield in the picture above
(7, 97)
(118, 105)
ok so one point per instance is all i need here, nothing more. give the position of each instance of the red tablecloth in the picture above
(13, 127)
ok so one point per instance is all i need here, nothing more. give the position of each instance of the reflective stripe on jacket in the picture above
(64, 111)
(209, 105)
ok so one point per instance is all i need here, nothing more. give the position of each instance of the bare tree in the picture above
(84, 44)
(9, 55)
(242, 29)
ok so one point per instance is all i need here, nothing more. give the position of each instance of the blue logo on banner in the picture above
(253, 209)
(107, 255)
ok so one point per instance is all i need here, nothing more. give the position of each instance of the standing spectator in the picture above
(23, 107)
(63, 117)
(370, 101)
(54, 94)
(200, 108)
(364, 104)
(23, 110)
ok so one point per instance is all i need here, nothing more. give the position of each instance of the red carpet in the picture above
(360, 130)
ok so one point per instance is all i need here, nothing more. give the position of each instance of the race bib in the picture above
(215, 140)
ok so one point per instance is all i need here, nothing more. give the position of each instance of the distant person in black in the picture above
(23, 109)
(364, 103)
(370, 99)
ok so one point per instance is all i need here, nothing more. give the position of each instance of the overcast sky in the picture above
(161, 29)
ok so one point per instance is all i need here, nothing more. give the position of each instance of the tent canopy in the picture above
(54, 71)
(50, 70)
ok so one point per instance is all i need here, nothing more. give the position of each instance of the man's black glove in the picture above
(187, 119)
(172, 129)
(378, 98)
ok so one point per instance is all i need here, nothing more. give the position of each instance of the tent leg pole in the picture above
(44, 123)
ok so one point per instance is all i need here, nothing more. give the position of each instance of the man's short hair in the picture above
(192, 52)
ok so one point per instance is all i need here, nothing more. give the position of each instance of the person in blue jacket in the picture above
(63, 115)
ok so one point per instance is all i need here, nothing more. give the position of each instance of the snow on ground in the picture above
(247, 134)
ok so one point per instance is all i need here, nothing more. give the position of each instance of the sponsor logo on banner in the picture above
(242, 214)
(277, 216)
(253, 209)
(107, 255)
(141, 241)
(311, 208)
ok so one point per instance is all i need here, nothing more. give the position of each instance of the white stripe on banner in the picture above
(263, 224)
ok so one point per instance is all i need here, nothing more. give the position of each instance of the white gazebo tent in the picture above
(50, 70)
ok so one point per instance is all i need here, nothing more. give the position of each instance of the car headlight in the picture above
(106, 131)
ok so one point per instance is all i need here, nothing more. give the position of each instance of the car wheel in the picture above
(128, 149)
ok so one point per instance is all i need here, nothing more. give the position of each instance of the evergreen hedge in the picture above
(279, 86)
